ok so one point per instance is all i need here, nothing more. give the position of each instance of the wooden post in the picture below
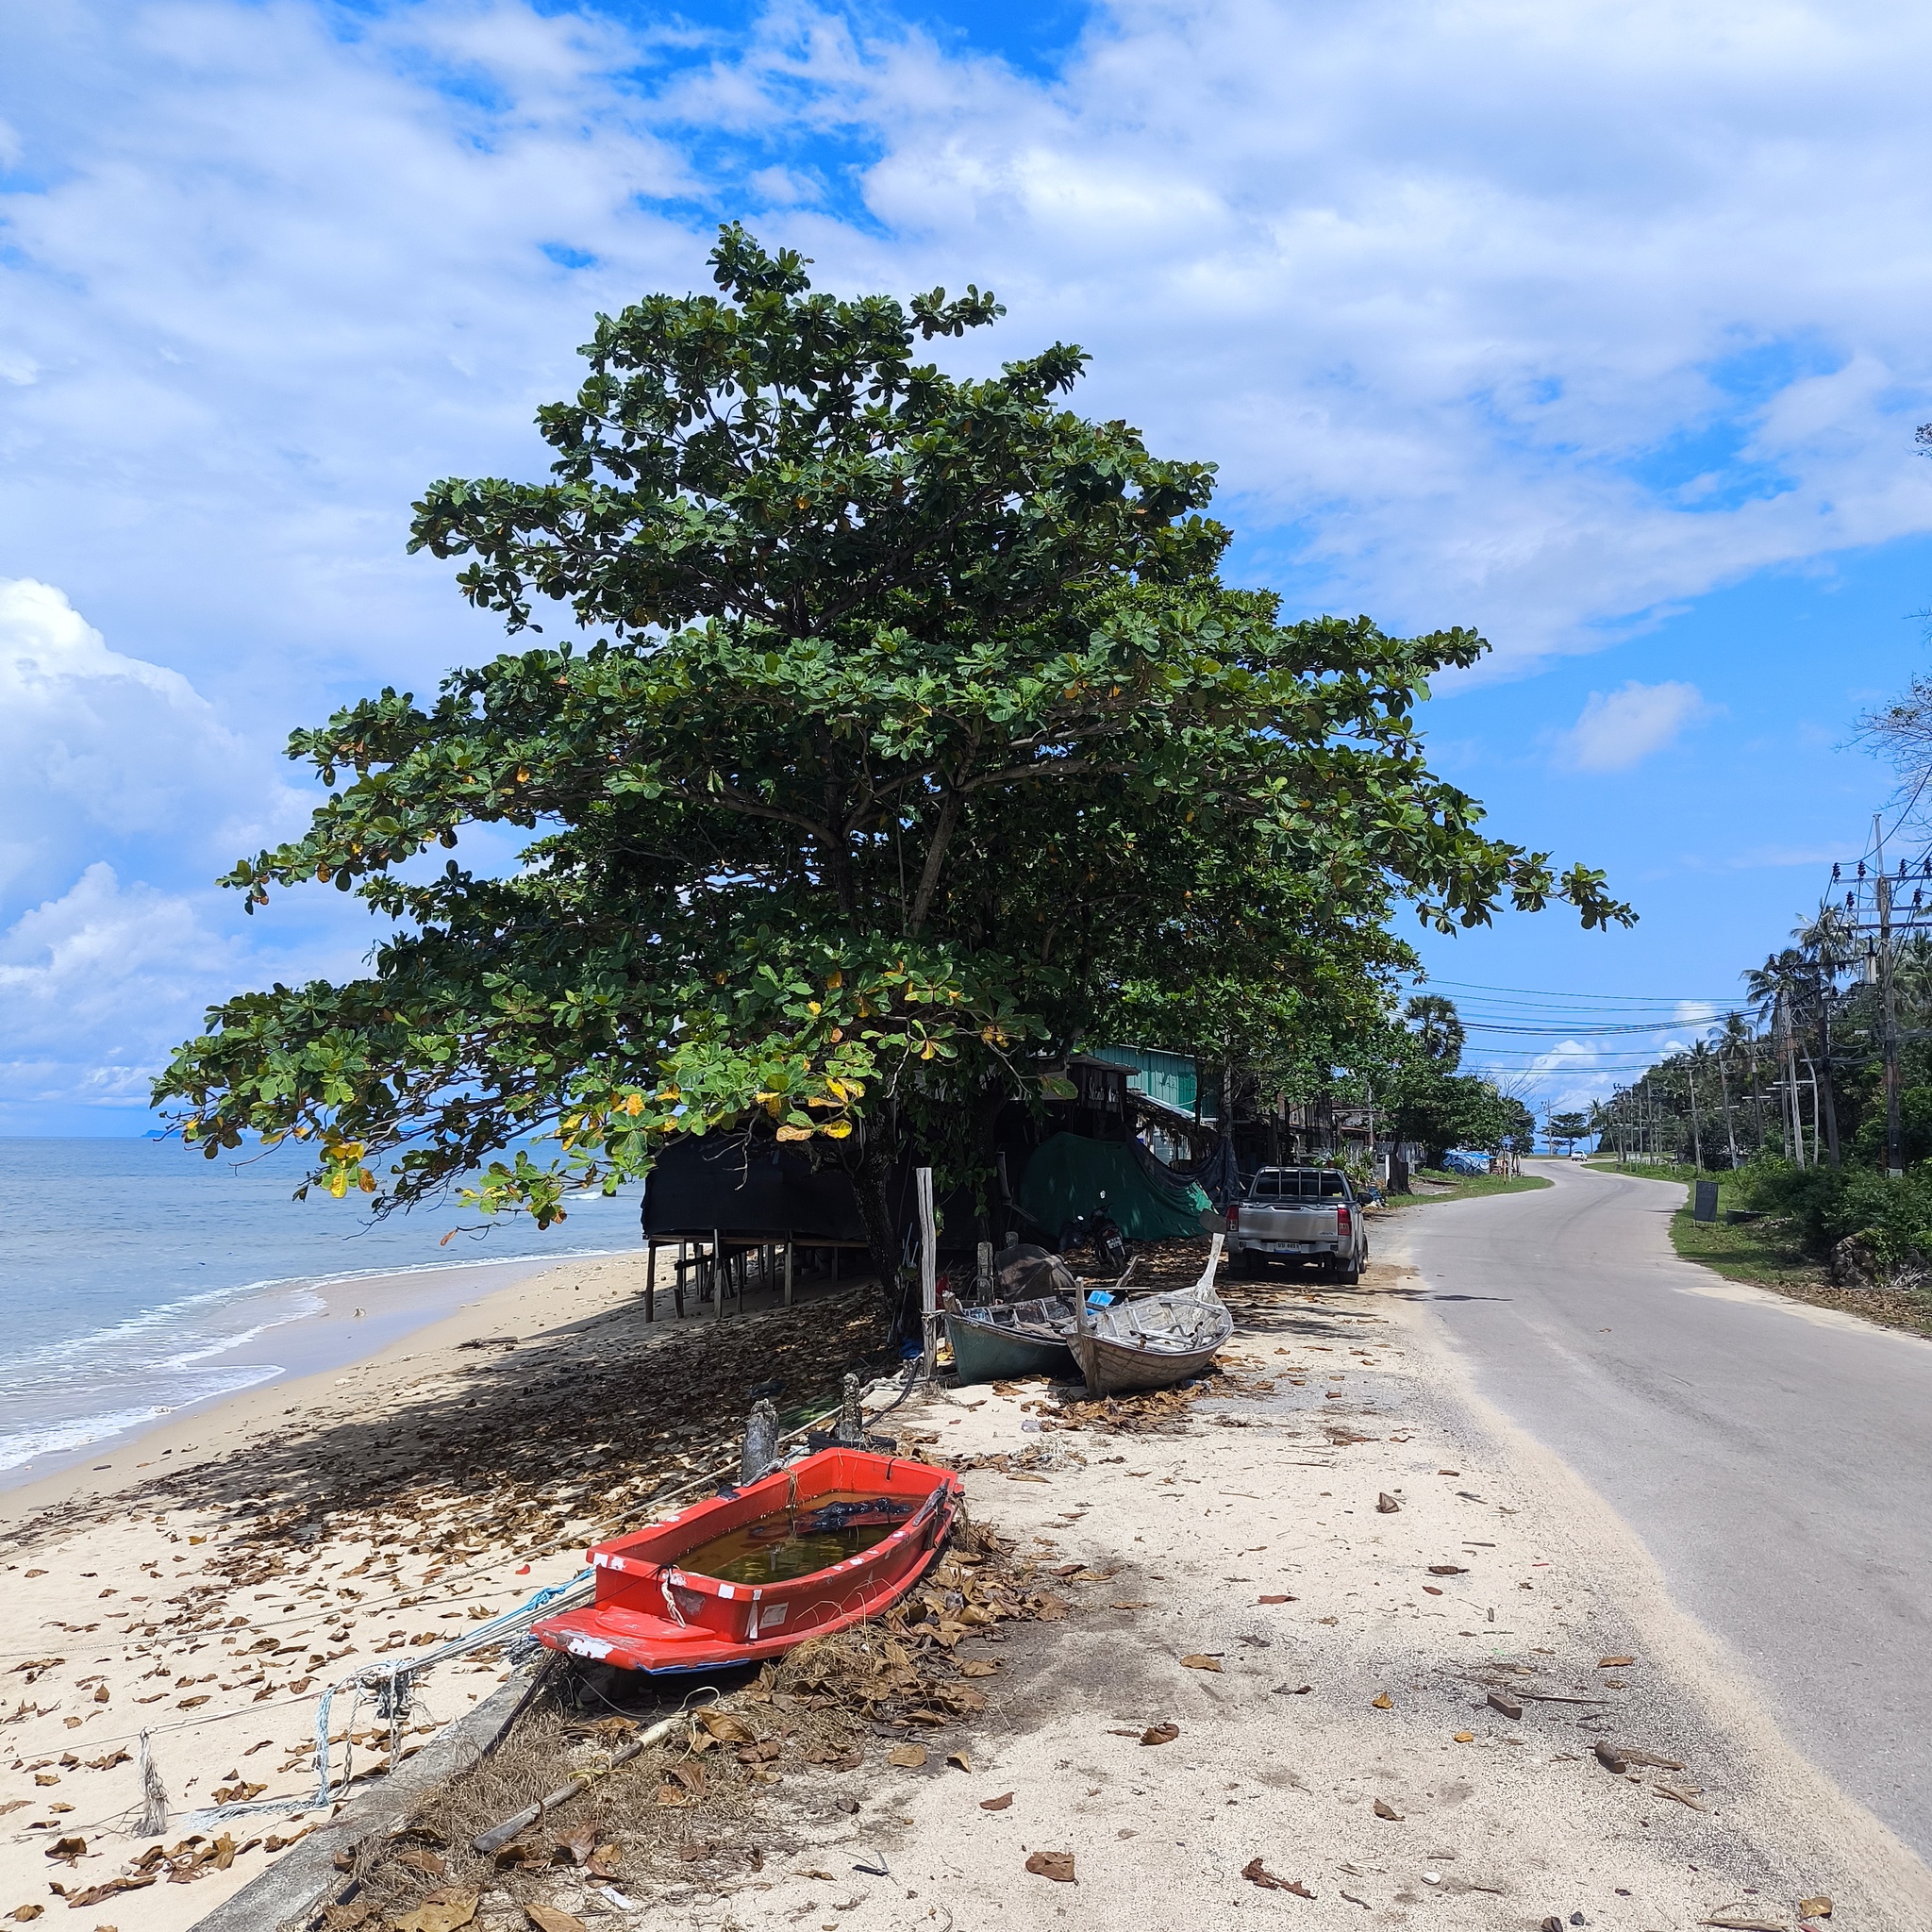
(650, 1281)
(717, 1274)
(787, 1273)
(928, 1272)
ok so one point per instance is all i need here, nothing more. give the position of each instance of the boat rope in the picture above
(393, 1683)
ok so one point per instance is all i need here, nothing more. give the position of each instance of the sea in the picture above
(137, 1278)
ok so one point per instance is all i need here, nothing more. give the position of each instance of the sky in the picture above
(1597, 326)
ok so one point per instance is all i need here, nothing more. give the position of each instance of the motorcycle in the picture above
(1100, 1231)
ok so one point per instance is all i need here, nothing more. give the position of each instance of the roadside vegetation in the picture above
(1442, 1184)
(1778, 1250)
(1813, 1101)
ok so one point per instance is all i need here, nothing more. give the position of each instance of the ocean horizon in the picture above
(137, 1278)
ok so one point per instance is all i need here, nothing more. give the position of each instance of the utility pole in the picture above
(1827, 992)
(1894, 1138)
(1696, 1132)
(1723, 1082)
(1792, 1125)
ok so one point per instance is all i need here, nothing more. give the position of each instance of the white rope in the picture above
(581, 1589)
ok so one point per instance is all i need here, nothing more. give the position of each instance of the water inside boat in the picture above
(797, 1542)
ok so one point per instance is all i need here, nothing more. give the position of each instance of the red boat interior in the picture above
(835, 1538)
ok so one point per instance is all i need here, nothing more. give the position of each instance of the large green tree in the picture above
(908, 719)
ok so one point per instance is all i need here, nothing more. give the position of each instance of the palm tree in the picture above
(1438, 1028)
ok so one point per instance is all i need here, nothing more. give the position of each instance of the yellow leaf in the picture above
(1383, 1702)
(835, 979)
(836, 1130)
(796, 1133)
(633, 1105)
(812, 1007)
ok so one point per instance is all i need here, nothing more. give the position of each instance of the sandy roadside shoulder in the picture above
(1387, 1638)
(268, 1546)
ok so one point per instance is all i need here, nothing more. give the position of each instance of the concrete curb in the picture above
(291, 1895)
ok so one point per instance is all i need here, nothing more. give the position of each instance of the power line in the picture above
(1651, 999)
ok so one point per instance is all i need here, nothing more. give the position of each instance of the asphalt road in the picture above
(1777, 1466)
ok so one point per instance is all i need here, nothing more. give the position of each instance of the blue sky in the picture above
(1599, 326)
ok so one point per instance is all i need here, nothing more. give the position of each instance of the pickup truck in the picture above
(1300, 1214)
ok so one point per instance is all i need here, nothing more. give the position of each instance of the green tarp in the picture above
(1067, 1174)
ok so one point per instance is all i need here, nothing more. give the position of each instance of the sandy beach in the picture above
(1388, 1634)
(217, 1571)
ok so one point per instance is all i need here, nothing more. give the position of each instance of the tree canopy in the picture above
(906, 721)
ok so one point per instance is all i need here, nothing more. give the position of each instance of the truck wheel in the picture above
(1241, 1265)
(1347, 1272)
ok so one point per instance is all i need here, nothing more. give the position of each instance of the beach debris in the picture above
(761, 1452)
(1614, 1663)
(1386, 1504)
(907, 1757)
(485, 1341)
(549, 1919)
(1002, 1802)
(961, 1759)
(1383, 1808)
(1691, 1796)
(1511, 1707)
(487, 1842)
(1745, 1921)
(1621, 1756)
(1818, 1907)
(1200, 1662)
(1284, 1599)
(1382, 1700)
(447, 1910)
(1448, 1570)
(25, 1915)
(1255, 1873)
(1161, 1734)
(1465, 1736)
(1059, 1866)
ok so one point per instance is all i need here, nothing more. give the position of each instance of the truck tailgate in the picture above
(1310, 1223)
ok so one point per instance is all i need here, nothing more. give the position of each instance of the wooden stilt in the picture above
(787, 1275)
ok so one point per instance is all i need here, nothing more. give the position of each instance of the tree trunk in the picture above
(872, 1185)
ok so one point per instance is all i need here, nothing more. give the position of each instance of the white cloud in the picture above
(1624, 726)
(95, 985)
(1541, 319)
(97, 746)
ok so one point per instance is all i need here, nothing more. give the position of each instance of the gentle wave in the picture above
(51, 1439)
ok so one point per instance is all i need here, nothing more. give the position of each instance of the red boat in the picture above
(829, 1541)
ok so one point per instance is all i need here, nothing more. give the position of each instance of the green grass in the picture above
(1756, 1251)
(1467, 1187)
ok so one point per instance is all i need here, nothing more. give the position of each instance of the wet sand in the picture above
(218, 1572)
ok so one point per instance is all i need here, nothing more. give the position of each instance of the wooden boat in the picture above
(1008, 1339)
(1153, 1341)
(656, 1610)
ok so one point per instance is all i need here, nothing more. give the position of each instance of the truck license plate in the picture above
(1288, 1247)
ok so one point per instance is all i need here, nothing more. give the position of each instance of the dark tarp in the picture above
(1067, 1174)
(747, 1189)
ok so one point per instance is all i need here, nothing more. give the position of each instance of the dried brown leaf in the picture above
(1059, 1866)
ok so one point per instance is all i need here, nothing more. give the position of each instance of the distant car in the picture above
(1576, 1158)
(1300, 1214)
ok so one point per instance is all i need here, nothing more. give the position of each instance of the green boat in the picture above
(1006, 1339)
